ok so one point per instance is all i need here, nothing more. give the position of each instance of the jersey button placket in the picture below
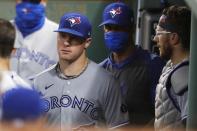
(68, 82)
(67, 86)
(66, 110)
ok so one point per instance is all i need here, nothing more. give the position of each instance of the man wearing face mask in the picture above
(137, 69)
(34, 45)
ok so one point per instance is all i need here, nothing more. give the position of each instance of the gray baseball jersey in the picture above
(93, 98)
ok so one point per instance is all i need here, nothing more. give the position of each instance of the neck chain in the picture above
(67, 77)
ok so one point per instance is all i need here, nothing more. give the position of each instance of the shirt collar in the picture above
(132, 57)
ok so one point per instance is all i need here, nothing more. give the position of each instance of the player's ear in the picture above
(175, 38)
(87, 42)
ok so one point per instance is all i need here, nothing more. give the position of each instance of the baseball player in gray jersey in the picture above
(77, 92)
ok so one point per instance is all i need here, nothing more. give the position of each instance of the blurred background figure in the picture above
(22, 108)
(8, 79)
(21, 104)
(137, 69)
(35, 48)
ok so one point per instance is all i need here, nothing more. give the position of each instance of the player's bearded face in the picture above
(162, 38)
(70, 47)
(166, 51)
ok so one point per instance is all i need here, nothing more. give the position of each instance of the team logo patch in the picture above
(25, 10)
(114, 12)
(74, 21)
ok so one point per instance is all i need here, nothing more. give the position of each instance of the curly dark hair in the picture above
(180, 18)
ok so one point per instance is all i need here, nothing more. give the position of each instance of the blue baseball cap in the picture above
(23, 104)
(75, 24)
(117, 13)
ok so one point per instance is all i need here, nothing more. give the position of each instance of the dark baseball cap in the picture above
(117, 13)
(75, 24)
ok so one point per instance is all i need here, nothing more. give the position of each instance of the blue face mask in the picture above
(29, 17)
(116, 41)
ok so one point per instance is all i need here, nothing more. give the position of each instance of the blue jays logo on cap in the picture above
(115, 12)
(75, 24)
(74, 20)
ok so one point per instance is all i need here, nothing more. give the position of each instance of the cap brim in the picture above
(69, 31)
(108, 22)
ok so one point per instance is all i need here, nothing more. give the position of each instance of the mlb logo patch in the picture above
(114, 12)
(74, 21)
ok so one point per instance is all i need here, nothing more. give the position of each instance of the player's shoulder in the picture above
(102, 75)
(151, 59)
(155, 59)
(99, 69)
(147, 55)
(179, 77)
(106, 79)
(104, 63)
(46, 73)
(43, 78)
